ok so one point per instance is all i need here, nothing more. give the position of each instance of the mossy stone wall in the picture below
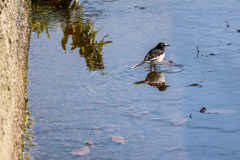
(14, 43)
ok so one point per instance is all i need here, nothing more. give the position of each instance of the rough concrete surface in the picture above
(14, 41)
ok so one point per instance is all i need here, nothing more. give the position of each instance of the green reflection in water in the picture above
(28, 133)
(70, 17)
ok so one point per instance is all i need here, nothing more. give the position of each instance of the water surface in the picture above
(81, 81)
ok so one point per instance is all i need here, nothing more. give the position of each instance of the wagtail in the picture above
(154, 56)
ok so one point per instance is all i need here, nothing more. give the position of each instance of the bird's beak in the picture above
(167, 45)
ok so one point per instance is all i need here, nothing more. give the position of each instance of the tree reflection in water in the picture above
(69, 15)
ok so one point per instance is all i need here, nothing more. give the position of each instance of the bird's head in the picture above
(162, 45)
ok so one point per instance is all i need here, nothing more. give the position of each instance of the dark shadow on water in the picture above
(155, 79)
(69, 15)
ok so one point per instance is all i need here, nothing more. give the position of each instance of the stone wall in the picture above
(14, 42)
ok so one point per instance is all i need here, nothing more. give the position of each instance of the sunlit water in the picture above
(72, 94)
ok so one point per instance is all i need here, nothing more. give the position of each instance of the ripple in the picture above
(127, 72)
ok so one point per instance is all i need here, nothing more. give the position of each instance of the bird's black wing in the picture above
(153, 54)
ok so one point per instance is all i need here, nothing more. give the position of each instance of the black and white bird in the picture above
(154, 56)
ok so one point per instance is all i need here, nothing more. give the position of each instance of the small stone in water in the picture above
(203, 110)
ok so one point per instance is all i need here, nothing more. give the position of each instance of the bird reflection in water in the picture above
(155, 79)
(74, 23)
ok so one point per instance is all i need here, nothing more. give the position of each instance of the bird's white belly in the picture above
(157, 59)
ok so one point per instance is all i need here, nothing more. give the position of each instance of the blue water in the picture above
(68, 99)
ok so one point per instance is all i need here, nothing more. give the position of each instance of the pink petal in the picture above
(81, 151)
(120, 140)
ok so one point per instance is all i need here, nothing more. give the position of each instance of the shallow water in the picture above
(75, 90)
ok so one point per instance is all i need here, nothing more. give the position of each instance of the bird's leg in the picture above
(154, 67)
(150, 67)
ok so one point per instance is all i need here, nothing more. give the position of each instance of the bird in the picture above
(154, 56)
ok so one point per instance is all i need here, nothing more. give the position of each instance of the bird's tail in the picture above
(133, 67)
